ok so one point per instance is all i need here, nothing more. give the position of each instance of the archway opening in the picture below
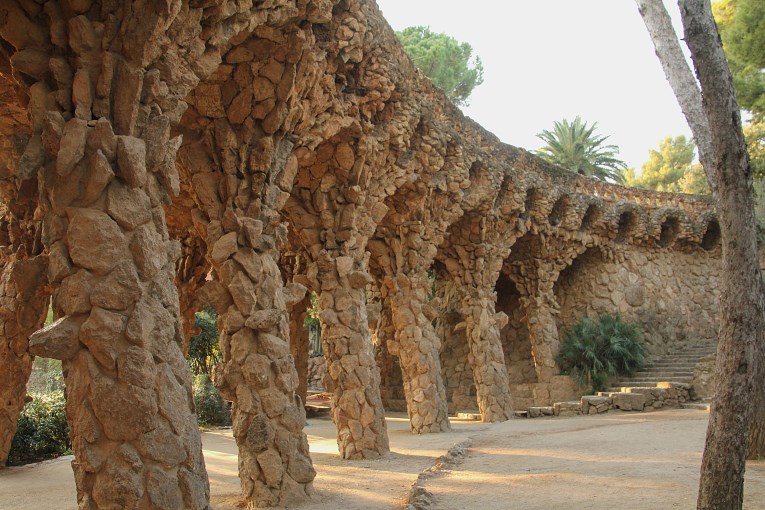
(669, 230)
(712, 236)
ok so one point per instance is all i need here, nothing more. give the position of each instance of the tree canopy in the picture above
(742, 28)
(576, 147)
(446, 61)
(668, 168)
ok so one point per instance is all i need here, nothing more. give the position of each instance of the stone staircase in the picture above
(675, 367)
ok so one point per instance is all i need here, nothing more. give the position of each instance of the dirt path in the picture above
(643, 461)
(348, 485)
(635, 461)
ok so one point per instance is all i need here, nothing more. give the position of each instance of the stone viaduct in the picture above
(283, 146)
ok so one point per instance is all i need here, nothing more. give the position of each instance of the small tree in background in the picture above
(446, 61)
(594, 350)
(666, 166)
(204, 350)
(576, 147)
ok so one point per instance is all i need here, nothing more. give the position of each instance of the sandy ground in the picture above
(644, 461)
(635, 461)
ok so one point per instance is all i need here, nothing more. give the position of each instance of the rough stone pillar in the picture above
(23, 307)
(106, 162)
(482, 327)
(541, 313)
(356, 404)
(299, 343)
(259, 373)
(129, 404)
(417, 346)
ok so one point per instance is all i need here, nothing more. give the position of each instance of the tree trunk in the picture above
(727, 166)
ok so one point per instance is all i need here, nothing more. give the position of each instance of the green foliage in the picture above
(212, 410)
(695, 181)
(665, 167)
(204, 349)
(754, 133)
(576, 147)
(312, 314)
(443, 59)
(42, 431)
(742, 28)
(759, 208)
(594, 350)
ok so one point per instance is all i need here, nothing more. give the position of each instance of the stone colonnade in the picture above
(289, 126)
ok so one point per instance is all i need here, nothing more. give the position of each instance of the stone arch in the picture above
(560, 209)
(712, 236)
(565, 288)
(591, 217)
(516, 343)
(626, 225)
(531, 203)
(670, 229)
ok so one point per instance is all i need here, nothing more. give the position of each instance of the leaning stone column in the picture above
(417, 346)
(482, 327)
(541, 311)
(356, 404)
(23, 307)
(102, 147)
(259, 373)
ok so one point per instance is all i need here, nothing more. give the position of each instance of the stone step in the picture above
(650, 382)
(671, 366)
(701, 406)
(662, 373)
(467, 415)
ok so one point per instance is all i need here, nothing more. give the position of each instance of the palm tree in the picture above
(576, 147)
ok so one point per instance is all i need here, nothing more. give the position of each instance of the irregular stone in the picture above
(72, 146)
(163, 489)
(271, 463)
(243, 293)
(136, 366)
(130, 207)
(161, 445)
(131, 160)
(126, 411)
(73, 297)
(99, 175)
(92, 232)
(264, 319)
(59, 340)
(224, 248)
(59, 265)
(119, 290)
(294, 293)
(101, 333)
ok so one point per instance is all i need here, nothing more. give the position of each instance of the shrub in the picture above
(204, 349)
(594, 350)
(212, 410)
(42, 431)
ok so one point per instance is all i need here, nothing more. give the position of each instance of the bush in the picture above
(204, 348)
(594, 350)
(42, 431)
(212, 410)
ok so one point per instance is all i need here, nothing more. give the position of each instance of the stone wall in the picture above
(673, 295)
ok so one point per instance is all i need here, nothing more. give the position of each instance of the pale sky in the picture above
(545, 60)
